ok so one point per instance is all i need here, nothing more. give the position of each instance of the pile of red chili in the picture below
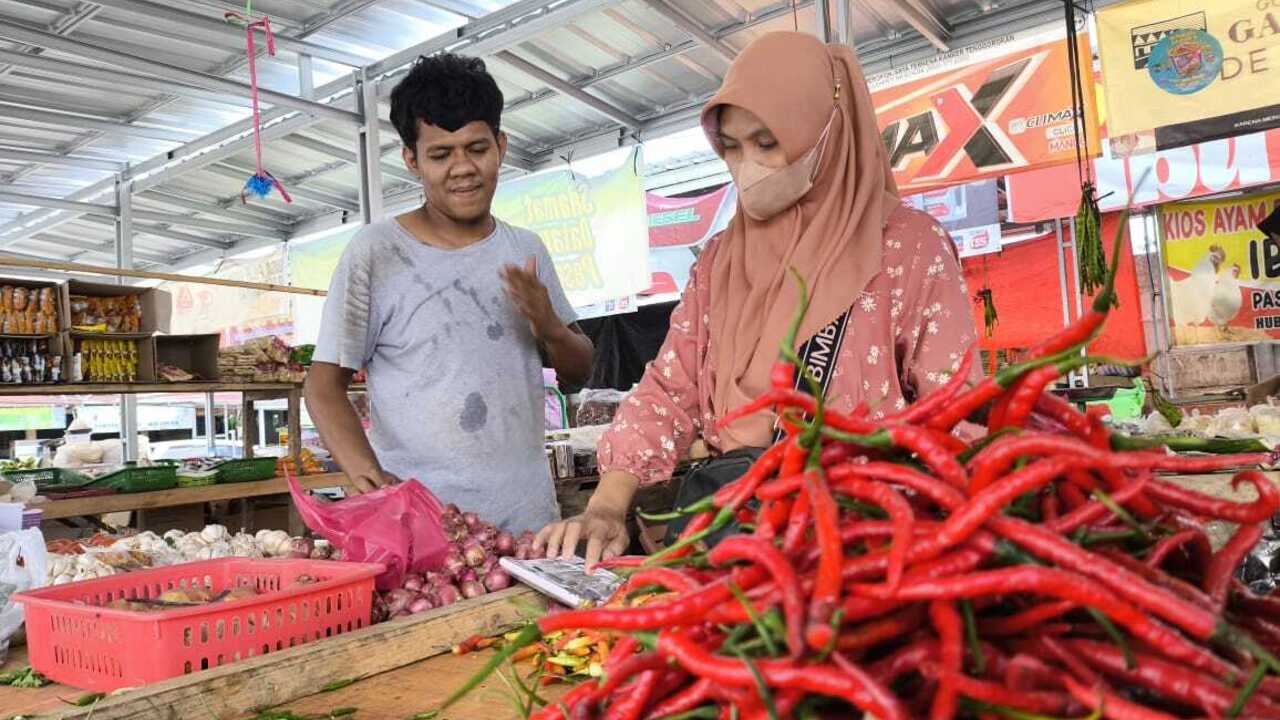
(886, 567)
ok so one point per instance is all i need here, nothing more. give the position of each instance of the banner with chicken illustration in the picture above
(1224, 274)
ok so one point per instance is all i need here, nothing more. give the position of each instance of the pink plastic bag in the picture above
(398, 526)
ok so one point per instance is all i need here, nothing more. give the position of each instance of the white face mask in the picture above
(764, 192)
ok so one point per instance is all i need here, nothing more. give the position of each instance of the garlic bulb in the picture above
(174, 536)
(215, 533)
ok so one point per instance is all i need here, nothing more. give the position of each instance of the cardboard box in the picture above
(146, 372)
(157, 305)
(197, 354)
(57, 347)
(60, 311)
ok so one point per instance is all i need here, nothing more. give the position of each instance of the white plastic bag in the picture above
(29, 545)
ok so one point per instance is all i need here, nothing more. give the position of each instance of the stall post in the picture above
(124, 261)
(370, 150)
(844, 29)
(306, 77)
(822, 12)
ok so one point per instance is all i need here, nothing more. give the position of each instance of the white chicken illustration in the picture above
(1192, 296)
(1226, 301)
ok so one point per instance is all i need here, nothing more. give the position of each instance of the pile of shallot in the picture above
(469, 569)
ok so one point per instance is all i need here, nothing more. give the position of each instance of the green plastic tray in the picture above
(247, 470)
(48, 477)
(141, 479)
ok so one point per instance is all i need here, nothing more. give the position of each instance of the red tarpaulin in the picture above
(1024, 284)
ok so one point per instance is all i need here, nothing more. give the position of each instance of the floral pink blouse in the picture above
(907, 333)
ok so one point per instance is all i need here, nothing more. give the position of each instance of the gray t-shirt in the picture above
(454, 376)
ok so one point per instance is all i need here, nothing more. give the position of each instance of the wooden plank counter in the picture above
(280, 679)
(99, 504)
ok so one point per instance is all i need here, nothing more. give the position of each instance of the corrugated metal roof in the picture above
(69, 102)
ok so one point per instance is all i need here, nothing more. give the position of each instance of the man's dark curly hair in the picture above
(448, 91)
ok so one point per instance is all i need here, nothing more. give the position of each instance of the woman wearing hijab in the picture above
(795, 125)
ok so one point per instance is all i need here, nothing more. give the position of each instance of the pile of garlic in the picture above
(174, 547)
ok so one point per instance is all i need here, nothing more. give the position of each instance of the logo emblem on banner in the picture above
(1145, 37)
(1185, 62)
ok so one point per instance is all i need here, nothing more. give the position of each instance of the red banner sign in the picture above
(982, 111)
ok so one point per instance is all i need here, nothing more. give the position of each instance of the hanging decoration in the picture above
(989, 317)
(1090, 256)
(261, 182)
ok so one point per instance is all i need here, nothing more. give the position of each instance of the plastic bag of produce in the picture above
(22, 567)
(398, 526)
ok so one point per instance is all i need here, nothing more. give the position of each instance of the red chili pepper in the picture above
(1116, 707)
(626, 669)
(1182, 588)
(900, 514)
(1222, 568)
(936, 491)
(1022, 399)
(932, 452)
(1027, 672)
(668, 578)
(870, 634)
(1052, 583)
(1025, 620)
(1045, 544)
(769, 559)
(926, 406)
(1094, 510)
(803, 402)
(950, 628)
(1173, 681)
(907, 660)
(826, 586)
(1263, 508)
(741, 490)
(1064, 413)
(863, 693)
(693, 695)
(1193, 542)
(634, 698)
(880, 695)
(1032, 701)
(1053, 648)
(683, 610)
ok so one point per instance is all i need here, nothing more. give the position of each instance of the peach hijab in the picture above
(833, 236)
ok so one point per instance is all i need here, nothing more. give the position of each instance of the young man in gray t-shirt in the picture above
(450, 312)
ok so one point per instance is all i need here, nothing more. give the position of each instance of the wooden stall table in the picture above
(405, 667)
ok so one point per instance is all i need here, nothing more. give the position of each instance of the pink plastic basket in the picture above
(72, 639)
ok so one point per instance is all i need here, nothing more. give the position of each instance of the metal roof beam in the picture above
(14, 198)
(84, 122)
(39, 38)
(922, 20)
(32, 156)
(163, 233)
(198, 27)
(110, 77)
(349, 156)
(491, 33)
(567, 89)
(214, 225)
(690, 25)
(248, 213)
(107, 248)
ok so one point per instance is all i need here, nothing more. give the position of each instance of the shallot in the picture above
(420, 604)
(471, 519)
(497, 579)
(398, 600)
(474, 553)
(506, 543)
(472, 589)
(448, 594)
(412, 582)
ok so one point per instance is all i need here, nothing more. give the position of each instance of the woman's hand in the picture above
(603, 524)
(371, 480)
(604, 531)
